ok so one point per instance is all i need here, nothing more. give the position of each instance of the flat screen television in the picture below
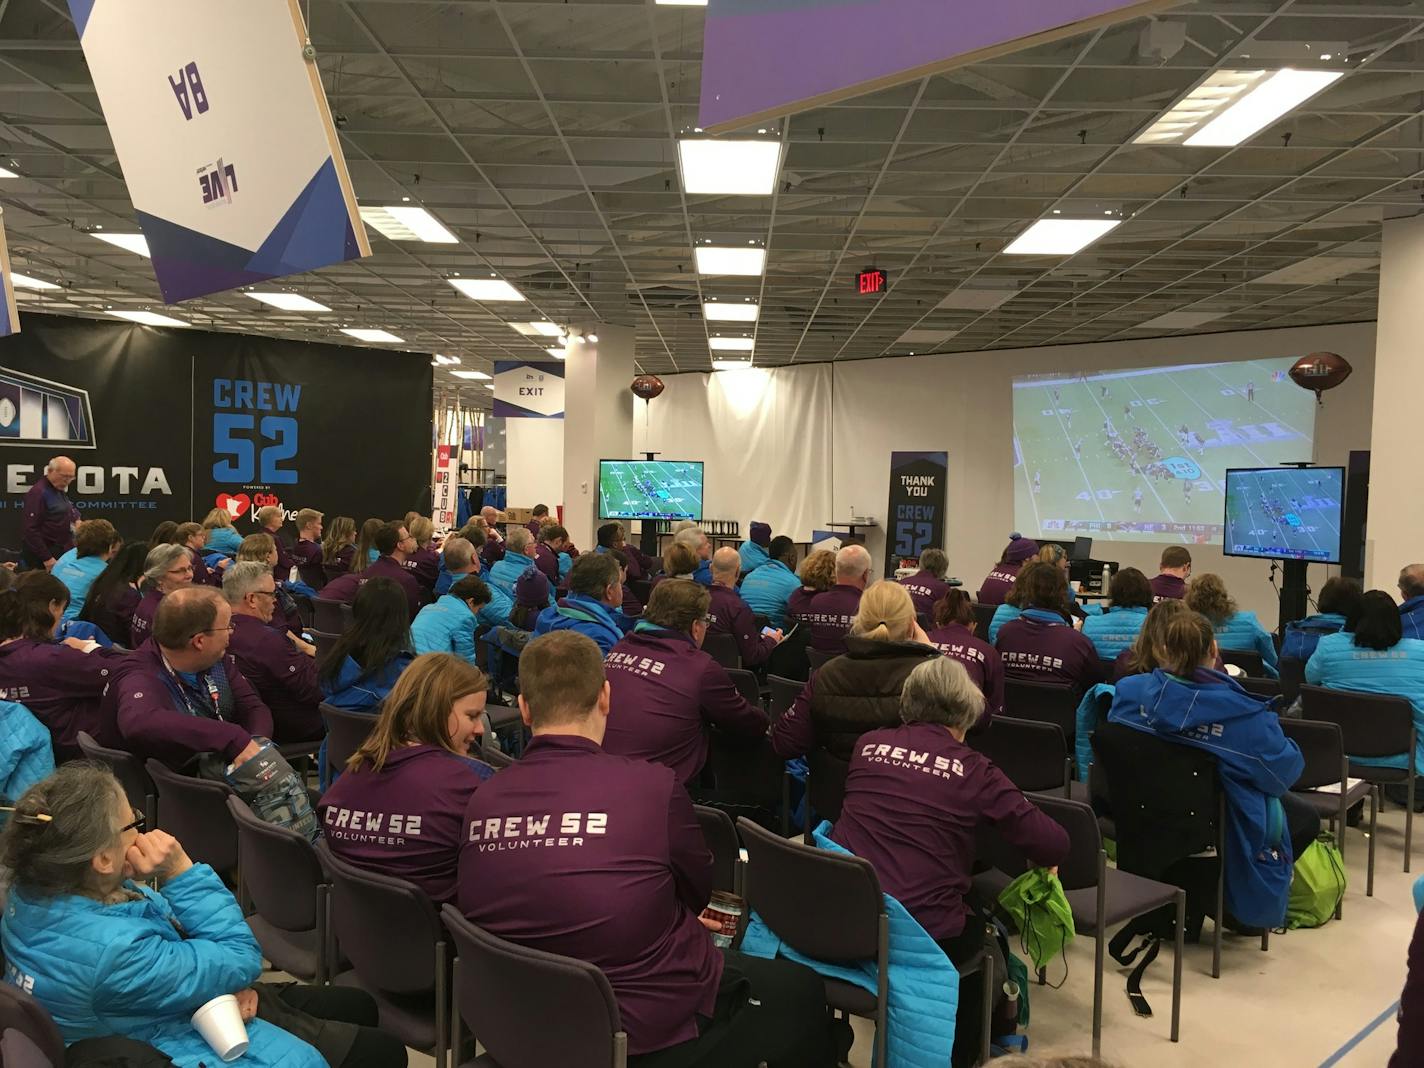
(650, 489)
(1284, 513)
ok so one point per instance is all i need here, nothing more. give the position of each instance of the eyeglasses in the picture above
(265, 593)
(140, 822)
(186, 569)
(216, 630)
(706, 621)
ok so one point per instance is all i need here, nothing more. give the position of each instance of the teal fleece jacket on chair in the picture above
(128, 969)
(26, 752)
(923, 984)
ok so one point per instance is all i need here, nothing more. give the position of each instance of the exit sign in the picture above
(871, 280)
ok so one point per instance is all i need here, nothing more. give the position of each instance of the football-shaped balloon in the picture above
(647, 387)
(1320, 371)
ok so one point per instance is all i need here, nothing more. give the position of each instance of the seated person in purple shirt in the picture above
(997, 583)
(112, 599)
(338, 546)
(194, 537)
(399, 808)
(1041, 645)
(368, 658)
(423, 562)
(668, 695)
(927, 585)
(1171, 581)
(859, 691)
(732, 615)
(630, 606)
(552, 540)
(393, 545)
(306, 552)
(830, 614)
(60, 682)
(280, 666)
(270, 520)
(618, 880)
(181, 696)
(261, 548)
(613, 536)
(166, 568)
(954, 635)
(817, 574)
(915, 798)
(679, 562)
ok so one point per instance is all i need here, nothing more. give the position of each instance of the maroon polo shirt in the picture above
(915, 797)
(997, 583)
(141, 622)
(113, 619)
(924, 589)
(799, 602)
(492, 552)
(283, 676)
(1168, 588)
(282, 570)
(424, 567)
(344, 587)
(307, 555)
(47, 526)
(547, 561)
(666, 695)
(979, 658)
(203, 575)
(732, 615)
(406, 820)
(1035, 649)
(578, 852)
(829, 615)
(60, 685)
(339, 563)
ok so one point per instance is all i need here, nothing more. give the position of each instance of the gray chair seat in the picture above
(1128, 896)
(409, 1019)
(294, 952)
(990, 884)
(1328, 804)
(847, 997)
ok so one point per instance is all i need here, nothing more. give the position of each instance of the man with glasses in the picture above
(47, 526)
(280, 666)
(181, 695)
(393, 544)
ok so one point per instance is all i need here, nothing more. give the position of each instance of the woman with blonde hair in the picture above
(859, 691)
(817, 574)
(424, 562)
(338, 546)
(365, 553)
(1235, 630)
(415, 769)
(222, 537)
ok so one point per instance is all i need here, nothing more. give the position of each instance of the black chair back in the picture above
(325, 641)
(502, 993)
(195, 812)
(1043, 703)
(817, 657)
(1292, 671)
(1108, 669)
(1248, 661)
(1078, 870)
(838, 921)
(345, 731)
(826, 783)
(783, 695)
(983, 616)
(746, 684)
(1323, 747)
(331, 616)
(721, 835)
(789, 659)
(128, 769)
(723, 649)
(1373, 725)
(1033, 755)
(1262, 687)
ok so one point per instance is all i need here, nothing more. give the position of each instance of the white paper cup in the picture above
(220, 1024)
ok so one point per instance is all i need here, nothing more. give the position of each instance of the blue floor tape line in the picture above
(1364, 1033)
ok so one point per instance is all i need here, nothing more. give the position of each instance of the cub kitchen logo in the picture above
(238, 505)
(37, 411)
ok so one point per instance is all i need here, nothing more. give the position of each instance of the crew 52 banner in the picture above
(915, 516)
(221, 125)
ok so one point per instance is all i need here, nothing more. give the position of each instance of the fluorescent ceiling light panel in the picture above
(540, 329)
(128, 242)
(487, 289)
(717, 260)
(925, 337)
(7, 174)
(290, 302)
(148, 318)
(407, 224)
(558, 354)
(470, 375)
(1318, 270)
(362, 334)
(24, 281)
(731, 313)
(1232, 106)
(731, 344)
(969, 298)
(1182, 319)
(1060, 237)
(731, 365)
(733, 168)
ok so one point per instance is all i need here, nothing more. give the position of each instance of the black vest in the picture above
(860, 691)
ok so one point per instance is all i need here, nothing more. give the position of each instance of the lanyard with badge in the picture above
(191, 701)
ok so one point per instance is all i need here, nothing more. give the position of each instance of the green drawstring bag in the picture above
(1037, 904)
(1317, 886)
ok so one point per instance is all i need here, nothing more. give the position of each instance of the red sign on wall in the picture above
(871, 280)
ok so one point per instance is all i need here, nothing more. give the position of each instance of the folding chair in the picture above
(1249, 661)
(1043, 703)
(817, 658)
(195, 812)
(128, 769)
(1326, 765)
(345, 733)
(723, 649)
(983, 616)
(1033, 755)
(721, 835)
(825, 788)
(783, 695)
(334, 617)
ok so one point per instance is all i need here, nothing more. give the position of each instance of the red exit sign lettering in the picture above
(871, 280)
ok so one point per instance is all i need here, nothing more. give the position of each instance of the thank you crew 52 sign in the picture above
(221, 124)
(915, 517)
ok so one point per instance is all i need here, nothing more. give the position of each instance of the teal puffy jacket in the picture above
(125, 969)
(26, 752)
(1243, 633)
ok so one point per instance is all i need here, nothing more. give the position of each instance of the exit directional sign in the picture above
(871, 280)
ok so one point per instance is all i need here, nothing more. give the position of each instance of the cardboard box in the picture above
(518, 516)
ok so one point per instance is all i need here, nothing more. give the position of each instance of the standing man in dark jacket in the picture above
(830, 614)
(668, 693)
(1171, 581)
(589, 855)
(730, 614)
(280, 666)
(47, 526)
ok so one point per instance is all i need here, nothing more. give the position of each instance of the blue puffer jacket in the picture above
(506, 573)
(1411, 614)
(1303, 635)
(447, 626)
(768, 588)
(1257, 764)
(125, 969)
(357, 692)
(224, 540)
(703, 574)
(1114, 630)
(1399, 671)
(1005, 613)
(1243, 632)
(583, 614)
(753, 556)
(26, 752)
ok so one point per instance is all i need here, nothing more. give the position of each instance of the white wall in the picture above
(535, 461)
(801, 445)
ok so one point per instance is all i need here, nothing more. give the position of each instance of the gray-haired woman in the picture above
(167, 568)
(109, 956)
(915, 797)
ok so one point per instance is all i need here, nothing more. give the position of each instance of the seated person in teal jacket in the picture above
(1339, 601)
(107, 955)
(365, 662)
(1236, 631)
(449, 625)
(1116, 629)
(756, 552)
(1371, 655)
(518, 558)
(767, 589)
(223, 538)
(96, 542)
(26, 753)
(593, 605)
(1014, 601)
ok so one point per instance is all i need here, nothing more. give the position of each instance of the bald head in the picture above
(1411, 581)
(489, 515)
(60, 472)
(726, 566)
(853, 566)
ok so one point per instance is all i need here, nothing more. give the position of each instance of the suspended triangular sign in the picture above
(221, 126)
(9, 313)
(762, 59)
